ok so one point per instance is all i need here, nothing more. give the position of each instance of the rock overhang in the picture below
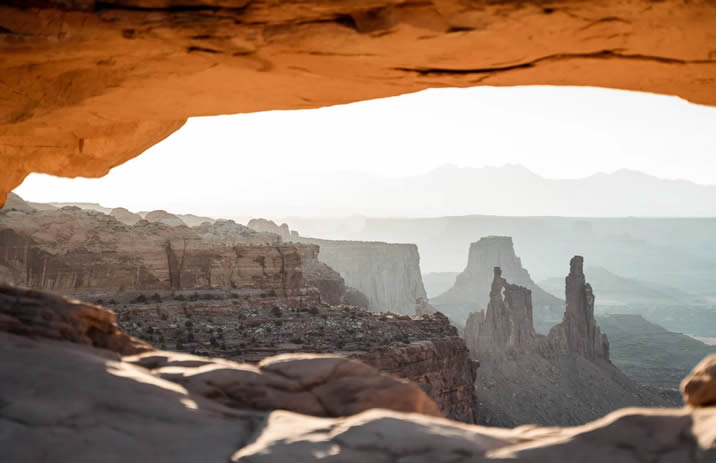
(93, 84)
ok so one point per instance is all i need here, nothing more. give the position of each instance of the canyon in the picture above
(388, 274)
(250, 294)
(566, 376)
(125, 74)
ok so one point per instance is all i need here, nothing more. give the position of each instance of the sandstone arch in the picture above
(88, 84)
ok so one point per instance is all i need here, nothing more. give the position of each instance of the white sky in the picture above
(244, 165)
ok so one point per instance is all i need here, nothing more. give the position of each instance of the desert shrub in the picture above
(155, 298)
(314, 310)
(188, 324)
(179, 297)
(141, 299)
(276, 312)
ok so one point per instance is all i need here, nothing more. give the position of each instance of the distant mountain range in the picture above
(509, 190)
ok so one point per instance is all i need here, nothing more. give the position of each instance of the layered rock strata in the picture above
(426, 350)
(387, 273)
(81, 399)
(88, 253)
(472, 288)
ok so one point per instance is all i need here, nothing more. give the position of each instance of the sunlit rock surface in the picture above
(74, 396)
(126, 74)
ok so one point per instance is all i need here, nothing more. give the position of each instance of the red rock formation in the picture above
(128, 73)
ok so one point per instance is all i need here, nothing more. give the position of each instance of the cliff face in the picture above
(387, 273)
(81, 252)
(472, 287)
(565, 376)
(426, 349)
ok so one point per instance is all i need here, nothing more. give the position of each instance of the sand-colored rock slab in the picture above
(318, 385)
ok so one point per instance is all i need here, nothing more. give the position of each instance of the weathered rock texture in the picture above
(125, 74)
(567, 375)
(81, 252)
(387, 273)
(426, 350)
(472, 288)
(74, 401)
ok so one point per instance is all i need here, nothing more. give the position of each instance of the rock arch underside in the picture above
(86, 85)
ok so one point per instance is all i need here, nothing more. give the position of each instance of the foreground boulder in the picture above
(69, 398)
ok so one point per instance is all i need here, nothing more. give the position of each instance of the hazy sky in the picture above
(250, 164)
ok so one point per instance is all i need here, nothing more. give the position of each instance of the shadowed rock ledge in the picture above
(65, 398)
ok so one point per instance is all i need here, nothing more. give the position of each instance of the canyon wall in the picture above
(566, 376)
(387, 273)
(88, 253)
(471, 291)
